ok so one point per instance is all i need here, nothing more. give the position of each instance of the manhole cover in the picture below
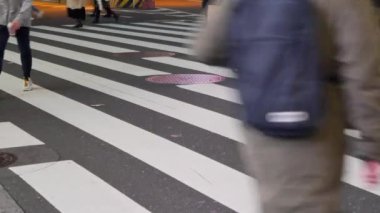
(7, 159)
(185, 79)
(145, 54)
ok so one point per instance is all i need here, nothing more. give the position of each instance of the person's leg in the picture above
(107, 8)
(97, 12)
(79, 23)
(109, 11)
(23, 40)
(4, 35)
(93, 12)
(298, 176)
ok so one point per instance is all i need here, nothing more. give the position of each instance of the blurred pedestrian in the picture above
(104, 4)
(76, 10)
(204, 3)
(296, 160)
(15, 20)
(37, 12)
(109, 12)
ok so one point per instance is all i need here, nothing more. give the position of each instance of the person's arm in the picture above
(25, 13)
(25, 10)
(357, 39)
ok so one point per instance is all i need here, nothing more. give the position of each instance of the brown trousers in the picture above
(299, 176)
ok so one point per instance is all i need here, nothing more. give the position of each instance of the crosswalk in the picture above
(124, 144)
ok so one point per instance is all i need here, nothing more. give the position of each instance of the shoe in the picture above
(28, 84)
(78, 26)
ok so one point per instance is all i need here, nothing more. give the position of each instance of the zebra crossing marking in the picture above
(206, 119)
(12, 136)
(72, 189)
(353, 133)
(183, 23)
(150, 45)
(196, 29)
(215, 90)
(184, 16)
(209, 177)
(147, 29)
(141, 35)
(225, 72)
(81, 43)
(94, 60)
(352, 175)
(158, 10)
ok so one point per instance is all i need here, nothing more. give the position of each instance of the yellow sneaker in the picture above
(28, 84)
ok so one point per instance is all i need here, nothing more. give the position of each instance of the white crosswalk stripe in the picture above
(81, 43)
(148, 29)
(216, 91)
(141, 35)
(134, 42)
(183, 23)
(83, 190)
(194, 66)
(12, 136)
(196, 29)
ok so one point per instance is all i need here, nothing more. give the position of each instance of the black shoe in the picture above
(78, 26)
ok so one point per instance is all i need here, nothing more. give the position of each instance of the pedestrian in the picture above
(109, 11)
(299, 168)
(76, 10)
(15, 20)
(104, 4)
(36, 12)
(204, 3)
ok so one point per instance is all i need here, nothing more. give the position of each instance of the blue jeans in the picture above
(23, 41)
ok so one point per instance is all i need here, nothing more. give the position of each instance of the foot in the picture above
(28, 84)
(78, 26)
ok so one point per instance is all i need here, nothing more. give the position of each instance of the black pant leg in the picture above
(107, 8)
(4, 35)
(23, 41)
(97, 11)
